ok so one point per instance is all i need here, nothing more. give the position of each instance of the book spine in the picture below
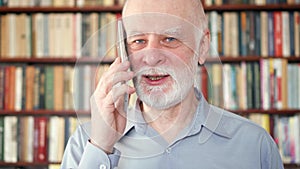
(277, 34)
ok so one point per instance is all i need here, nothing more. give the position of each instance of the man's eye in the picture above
(139, 41)
(170, 39)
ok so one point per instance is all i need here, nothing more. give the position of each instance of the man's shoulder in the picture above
(232, 124)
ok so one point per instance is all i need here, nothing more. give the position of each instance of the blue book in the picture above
(257, 34)
(270, 34)
(292, 34)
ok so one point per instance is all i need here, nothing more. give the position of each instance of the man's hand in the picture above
(108, 119)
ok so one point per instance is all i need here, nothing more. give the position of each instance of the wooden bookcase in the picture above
(117, 9)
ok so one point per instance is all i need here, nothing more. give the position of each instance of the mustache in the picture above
(156, 71)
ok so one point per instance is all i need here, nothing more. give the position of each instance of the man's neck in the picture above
(168, 123)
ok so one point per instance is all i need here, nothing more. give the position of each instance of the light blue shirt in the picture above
(215, 139)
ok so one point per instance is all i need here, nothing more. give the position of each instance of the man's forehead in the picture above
(181, 8)
(157, 23)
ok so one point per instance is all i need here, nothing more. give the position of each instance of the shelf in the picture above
(247, 7)
(84, 60)
(118, 9)
(87, 60)
(271, 111)
(229, 59)
(84, 113)
(89, 9)
(42, 113)
(292, 166)
(26, 164)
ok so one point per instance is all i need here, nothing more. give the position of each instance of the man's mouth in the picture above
(155, 79)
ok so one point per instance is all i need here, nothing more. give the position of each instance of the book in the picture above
(10, 139)
(40, 139)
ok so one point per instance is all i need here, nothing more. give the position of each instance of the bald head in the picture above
(191, 10)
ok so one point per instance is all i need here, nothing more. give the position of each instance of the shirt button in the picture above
(102, 166)
(168, 150)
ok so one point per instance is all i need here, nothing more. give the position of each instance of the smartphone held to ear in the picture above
(123, 54)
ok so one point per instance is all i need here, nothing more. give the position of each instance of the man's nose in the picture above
(154, 54)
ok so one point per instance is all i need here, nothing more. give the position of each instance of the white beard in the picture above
(169, 94)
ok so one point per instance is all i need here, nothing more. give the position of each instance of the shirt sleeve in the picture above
(81, 154)
(270, 157)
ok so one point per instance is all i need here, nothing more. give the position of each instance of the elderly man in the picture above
(171, 126)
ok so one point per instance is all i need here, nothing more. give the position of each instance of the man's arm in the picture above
(80, 153)
(270, 157)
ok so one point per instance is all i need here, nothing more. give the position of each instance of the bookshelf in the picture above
(86, 60)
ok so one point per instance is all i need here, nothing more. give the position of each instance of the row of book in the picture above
(254, 2)
(269, 84)
(59, 3)
(34, 139)
(286, 133)
(245, 33)
(47, 87)
(58, 35)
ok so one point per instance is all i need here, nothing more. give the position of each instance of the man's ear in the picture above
(204, 47)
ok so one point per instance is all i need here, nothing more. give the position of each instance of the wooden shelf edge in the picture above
(43, 113)
(89, 60)
(118, 8)
(270, 111)
(71, 60)
(86, 112)
(251, 7)
(26, 164)
(115, 8)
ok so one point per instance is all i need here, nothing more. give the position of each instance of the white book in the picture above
(78, 37)
(13, 46)
(226, 86)
(67, 27)
(46, 3)
(296, 134)
(51, 34)
(13, 3)
(30, 140)
(53, 139)
(10, 138)
(108, 2)
(260, 2)
(58, 33)
(208, 2)
(93, 40)
(286, 47)
(265, 84)
(18, 88)
(227, 48)
(234, 34)
(264, 33)
(39, 34)
(80, 3)
(243, 99)
(213, 21)
(28, 37)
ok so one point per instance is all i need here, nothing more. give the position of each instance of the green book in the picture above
(49, 88)
(1, 138)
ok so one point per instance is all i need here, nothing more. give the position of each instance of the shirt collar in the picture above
(207, 116)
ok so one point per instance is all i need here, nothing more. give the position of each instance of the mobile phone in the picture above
(123, 54)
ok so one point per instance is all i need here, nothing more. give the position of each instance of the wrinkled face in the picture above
(161, 51)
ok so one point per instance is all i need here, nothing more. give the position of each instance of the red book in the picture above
(277, 33)
(40, 139)
(6, 87)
